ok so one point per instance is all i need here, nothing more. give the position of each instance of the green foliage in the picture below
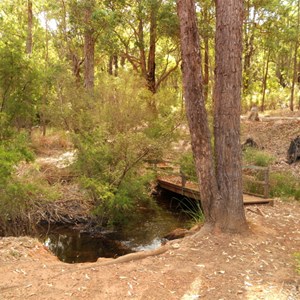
(187, 166)
(284, 185)
(256, 157)
(250, 185)
(297, 258)
(19, 195)
(18, 86)
(121, 133)
(192, 208)
(12, 151)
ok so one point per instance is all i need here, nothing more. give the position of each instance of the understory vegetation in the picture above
(282, 184)
(103, 79)
(20, 192)
(297, 258)
(120, 138)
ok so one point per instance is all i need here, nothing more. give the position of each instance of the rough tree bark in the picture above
(71, 54)
(249, 34)
(195, 108)
(206, 54)
(29, 28)
(227, 111)
(220, 185)
(151, 55)
(89, 47)
(295, 72)
(265, 80)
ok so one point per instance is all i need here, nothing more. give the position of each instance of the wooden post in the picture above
(266, 186)
(183, 179)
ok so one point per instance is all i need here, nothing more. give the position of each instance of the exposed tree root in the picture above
(132, 256)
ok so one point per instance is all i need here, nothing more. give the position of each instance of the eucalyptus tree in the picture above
(295, 58)
(220, 184)
(29, 27)
(19, 84)
(148, 37)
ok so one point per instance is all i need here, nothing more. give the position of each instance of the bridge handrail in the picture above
(184, 177)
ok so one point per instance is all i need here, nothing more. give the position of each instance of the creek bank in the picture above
(86, 242)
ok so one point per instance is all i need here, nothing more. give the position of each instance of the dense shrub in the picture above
(256, 157)
(284, 185)
(187, 166)
(19, 195)
(123, 132)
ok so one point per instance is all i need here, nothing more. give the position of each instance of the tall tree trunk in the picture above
(116, 65)
(195, 109)
(113, 65)
(29, 28)
(206, 68)
(206, 56)
(110, 65)
(76, 61)
(152, 49)
(227, 109)
(249, 46)
(141, 45)
(89, 47)
(295, 71)
(264, 83)
(45, 92)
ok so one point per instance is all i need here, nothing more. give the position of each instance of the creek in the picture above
(144, 232)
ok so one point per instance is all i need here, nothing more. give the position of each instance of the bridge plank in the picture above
(190, 190)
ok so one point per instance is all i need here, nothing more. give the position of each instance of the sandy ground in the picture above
(259, 265)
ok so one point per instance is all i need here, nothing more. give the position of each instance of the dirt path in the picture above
(257, 266)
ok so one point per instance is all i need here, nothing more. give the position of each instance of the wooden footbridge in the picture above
(176, 182)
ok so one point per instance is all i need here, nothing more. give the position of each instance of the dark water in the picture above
(145, 232)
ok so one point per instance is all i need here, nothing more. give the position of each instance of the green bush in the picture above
(125, 130)
(297, 258)
(19, 195)
(187, 166)
(113, 173)
(284, 185)
(252, 187)
(12, 151)
(256, 157)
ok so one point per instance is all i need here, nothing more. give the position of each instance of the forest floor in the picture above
(258, 265)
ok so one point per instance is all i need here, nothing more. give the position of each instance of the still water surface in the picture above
(144, 233)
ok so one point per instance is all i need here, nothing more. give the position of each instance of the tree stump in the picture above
(249, 143)
(294, 150)
(253, 114)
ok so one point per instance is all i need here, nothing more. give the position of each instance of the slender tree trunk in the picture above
(152, 49)
(76, 61)
(295, 71)
(195, 109)
(227, 100)
(110, 65)
(116, 65)
(206, 56)
(29, 28)
(142, 49)
(89, 48)
(249, 47)
(113, 65)
(206, 68)
(45, 93)
(265, 79)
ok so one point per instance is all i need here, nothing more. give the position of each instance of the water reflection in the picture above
(144, 232)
